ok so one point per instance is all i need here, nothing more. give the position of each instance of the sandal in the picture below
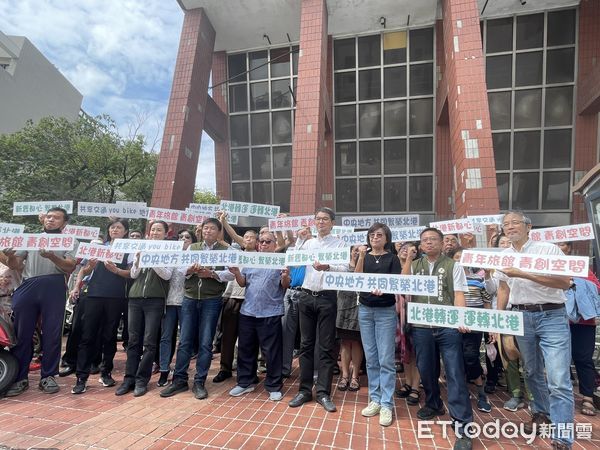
(343, 384)
(354, 385)
(588, 408)
(413, 397)
(404, 391)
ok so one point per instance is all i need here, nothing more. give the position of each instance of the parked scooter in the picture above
(9, 365)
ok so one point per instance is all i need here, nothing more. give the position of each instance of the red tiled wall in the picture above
(176, 172)
(586, 126)
(443, 160)
(222, 150)
(466, 68)
(311, 155)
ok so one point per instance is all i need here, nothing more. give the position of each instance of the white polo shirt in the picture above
(527, 292)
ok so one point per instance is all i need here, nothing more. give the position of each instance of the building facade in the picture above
(438, 107)
(31, 87)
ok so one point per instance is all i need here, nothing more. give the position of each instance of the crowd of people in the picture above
(267, 315)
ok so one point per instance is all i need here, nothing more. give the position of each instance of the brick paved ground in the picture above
(99, 419)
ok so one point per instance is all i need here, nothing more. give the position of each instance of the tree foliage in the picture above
(206, 196)
(84, 160)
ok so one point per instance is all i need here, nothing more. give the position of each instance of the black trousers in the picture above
(263, 332)
(69, 358)
(471, 346)
(317, 314)
(583, 339)
(101, 319)
(493, 368)
(145, 315)
(229, 328)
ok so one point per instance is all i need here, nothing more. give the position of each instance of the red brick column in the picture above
(469, 117)
(586, 126)
(310, 152)
(443, 162)
(222, 149)
(178, 161)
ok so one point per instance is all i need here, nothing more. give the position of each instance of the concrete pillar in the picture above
(222, 148)
(472, 153)
(178, 161)
(312, 171)
(588, 87)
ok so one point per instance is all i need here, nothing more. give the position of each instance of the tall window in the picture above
(530, 67)
(261, 119)
(384, 122)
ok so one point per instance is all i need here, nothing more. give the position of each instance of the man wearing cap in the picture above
(546, 343)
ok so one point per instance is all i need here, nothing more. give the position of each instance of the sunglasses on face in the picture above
(265, 241)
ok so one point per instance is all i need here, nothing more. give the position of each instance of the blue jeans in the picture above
(378, 335)
(168, 327)
(198, 317)
(547, 343)
(449, 343)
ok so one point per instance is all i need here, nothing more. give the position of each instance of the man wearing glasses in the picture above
(547, 340)
(317, 309)
(430, 341)
(260, 323)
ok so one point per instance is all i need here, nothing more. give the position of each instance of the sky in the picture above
(120, 54)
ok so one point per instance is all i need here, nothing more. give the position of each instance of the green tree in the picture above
(84, 160)
(206, 196)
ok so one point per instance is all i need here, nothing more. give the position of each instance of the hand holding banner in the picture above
(100, 252)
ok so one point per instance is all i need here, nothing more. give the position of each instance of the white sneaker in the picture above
(371, 410)
(385, 417)
(238, 390)
(275, 396)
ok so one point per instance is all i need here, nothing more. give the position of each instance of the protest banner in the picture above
(176, 216)
(35, 208)
(323, 256)
(582, 232)
(386, 283)
(86, 250)
(457, 226)
(210, 210)
(11, 228)
(292, 223)
(141, 245)
(406, 234)
(493, 219)
(82, 232)
(476, 319)
(260, 260)
(186, 258)
(132, 204)
(393, 221)
(35, 241)
(356, 238)
(336, 230)
(122, 211)
(249, 209)
(576, 266)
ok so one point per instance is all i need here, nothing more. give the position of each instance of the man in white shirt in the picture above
(317, 309)
(547, 339)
